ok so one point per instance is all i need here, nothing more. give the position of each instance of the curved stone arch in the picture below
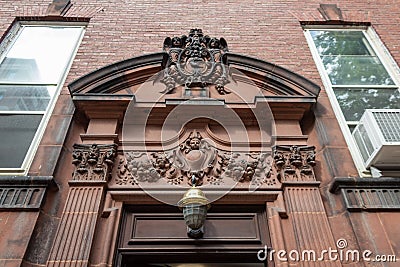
(121, 75)
(283, 81)
(117, 76)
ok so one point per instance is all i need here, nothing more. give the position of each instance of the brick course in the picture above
(269, 30)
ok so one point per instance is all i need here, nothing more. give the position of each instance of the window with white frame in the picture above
(358, 74)
(33, 64)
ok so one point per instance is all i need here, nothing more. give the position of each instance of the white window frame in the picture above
(387, 61)
(6, 44)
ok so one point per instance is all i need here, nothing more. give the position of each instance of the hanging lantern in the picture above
(194, 205)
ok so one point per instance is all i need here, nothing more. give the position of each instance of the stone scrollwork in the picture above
(93, 162)
(196, 60)
(295, 163)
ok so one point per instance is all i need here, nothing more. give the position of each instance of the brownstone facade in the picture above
(101, 193)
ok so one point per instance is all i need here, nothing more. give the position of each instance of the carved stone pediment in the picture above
(193, 61)
(195, 162)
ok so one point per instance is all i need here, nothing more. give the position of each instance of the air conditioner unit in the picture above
(377, 136)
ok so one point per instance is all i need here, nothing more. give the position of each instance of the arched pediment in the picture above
(195, 87)
(194, 67)
(122, 77)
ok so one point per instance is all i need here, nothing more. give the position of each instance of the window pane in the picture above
(352, 127)
(353, 102)
(16, 135)
(341, 43)
(39, 55)
(356, 70)
(25, 98)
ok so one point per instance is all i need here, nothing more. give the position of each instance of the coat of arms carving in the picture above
(197, 61)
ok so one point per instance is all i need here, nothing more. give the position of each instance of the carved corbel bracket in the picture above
(294, 163)
(93, 162)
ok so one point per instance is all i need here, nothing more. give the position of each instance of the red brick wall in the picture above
(118, 30)
(269, 30)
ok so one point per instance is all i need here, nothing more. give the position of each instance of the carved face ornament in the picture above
(194, 143)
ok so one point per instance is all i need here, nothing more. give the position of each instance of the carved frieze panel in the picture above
(255, 168)
(93, 162)
(195, 61)
(294, 163)
(195, 162)
(135, 167)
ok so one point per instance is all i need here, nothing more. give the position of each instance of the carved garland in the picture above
(256, 169)
(290, 163)
(195, 161)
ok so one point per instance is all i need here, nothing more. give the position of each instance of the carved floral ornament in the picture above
(197, 162)
(196, 60)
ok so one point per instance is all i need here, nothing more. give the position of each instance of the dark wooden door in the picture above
(155, 235)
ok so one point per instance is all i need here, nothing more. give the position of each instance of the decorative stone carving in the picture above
(165, 168)
(195, 61)
(93, 162)
(196, 159)
(135, 168)
(295, 163)
(124, 176)
(256, 169)
(197, 162)
(236, 167)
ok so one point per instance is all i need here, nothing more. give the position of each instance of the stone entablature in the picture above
(196, 157)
